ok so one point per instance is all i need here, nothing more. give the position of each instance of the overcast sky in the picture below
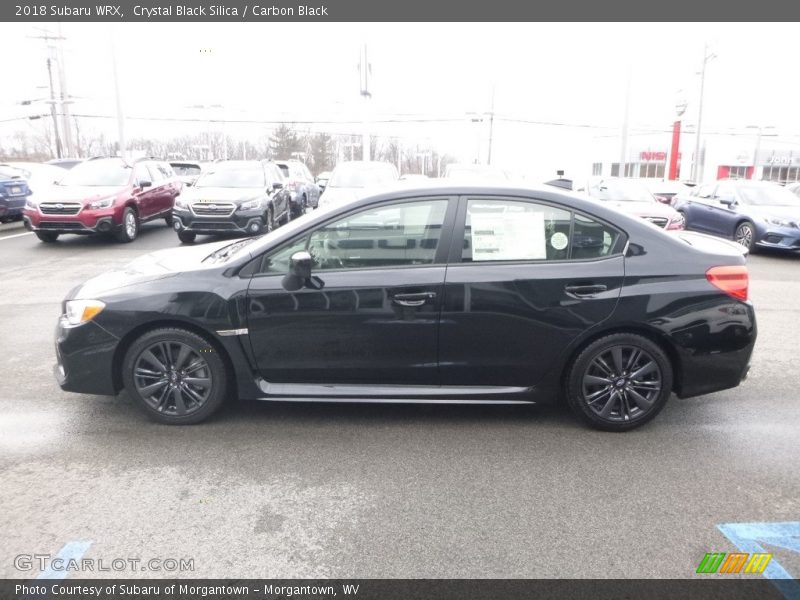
(572, 73)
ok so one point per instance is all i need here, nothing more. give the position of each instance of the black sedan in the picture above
(439, 294)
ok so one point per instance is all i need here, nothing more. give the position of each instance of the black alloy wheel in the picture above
(619, 382)
(175, 376)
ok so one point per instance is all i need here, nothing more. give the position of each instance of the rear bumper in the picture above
(724, 361)
(11, 207)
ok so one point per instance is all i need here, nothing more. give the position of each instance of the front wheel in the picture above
(175, 376)
(745, 235)
(187, 237)
(269, 221)
(619, 382)
(130, 226)
(48, 237)
(169, 220)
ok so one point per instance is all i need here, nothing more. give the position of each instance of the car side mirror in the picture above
(144, 183)
(299, 275)
(727, 200)
(277, 185)
(321, 186)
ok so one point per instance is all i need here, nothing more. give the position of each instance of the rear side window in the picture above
(515, 230)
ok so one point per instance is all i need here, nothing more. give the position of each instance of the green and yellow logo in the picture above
(735, 562)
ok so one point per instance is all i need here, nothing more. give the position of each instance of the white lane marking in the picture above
(8, 237)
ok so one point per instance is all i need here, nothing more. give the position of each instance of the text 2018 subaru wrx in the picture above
(441, 294)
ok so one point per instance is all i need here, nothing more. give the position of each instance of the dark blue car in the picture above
(13, 193)
(756, 214)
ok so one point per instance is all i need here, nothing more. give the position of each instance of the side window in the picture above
(725, 190)
(498, 230)
(142, 173)
(592, 239)
(704, 191)
(515, 230)
(401, 234)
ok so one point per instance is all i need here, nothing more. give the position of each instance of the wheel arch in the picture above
(652, 334)
(129, 338)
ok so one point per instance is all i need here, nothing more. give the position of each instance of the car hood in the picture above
(336, 196)
(644, 209)
(151, 267)
(77, 193)
(221, 194)
(783, 212)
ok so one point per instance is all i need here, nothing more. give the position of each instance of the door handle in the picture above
(413, 299)
(583, 291)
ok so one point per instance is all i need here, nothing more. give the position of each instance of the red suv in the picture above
(104, 195)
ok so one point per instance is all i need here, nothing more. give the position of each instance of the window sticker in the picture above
(512, 235)
(559, 240)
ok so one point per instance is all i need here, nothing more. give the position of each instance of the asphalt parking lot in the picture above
(383, 491)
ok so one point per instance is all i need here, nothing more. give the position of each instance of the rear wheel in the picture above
(682, 217)
(619, 382)
(745, 235)
(175, 376)
(187, 237)
(130, 226)
(168, 220)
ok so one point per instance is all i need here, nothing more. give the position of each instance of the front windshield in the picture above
(244, 177)
(98, 173)
(359, 176)
(185, 169)
(620, 191)
(768, 195)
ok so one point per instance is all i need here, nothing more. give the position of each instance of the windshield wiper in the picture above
(224, 252)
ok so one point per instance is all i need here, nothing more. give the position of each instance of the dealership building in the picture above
(721, 156)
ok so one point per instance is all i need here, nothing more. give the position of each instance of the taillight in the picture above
(734, 281)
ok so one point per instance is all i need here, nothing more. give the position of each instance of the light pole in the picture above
(623, 158)
(760, 129)
(477, 118)
(697, 172)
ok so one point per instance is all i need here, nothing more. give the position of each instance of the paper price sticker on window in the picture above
(508, 236)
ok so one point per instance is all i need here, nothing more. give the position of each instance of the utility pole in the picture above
(365, 72)
(697, 171)
(65, 101)
(623, 158)
(47, 36)
(491, 128)
(120, 118)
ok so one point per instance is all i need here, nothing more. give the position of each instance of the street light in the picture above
(696, 171)
(760, 129)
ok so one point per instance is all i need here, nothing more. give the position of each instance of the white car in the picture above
(355, 179)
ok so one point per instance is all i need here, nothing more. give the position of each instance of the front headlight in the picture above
(31, 203)
(181, 203)
(780, 222)
(253, 204)
(102, 203)
(82, 311)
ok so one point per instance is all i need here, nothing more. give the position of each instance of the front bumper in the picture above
(84, 358)
(85, 222)
(247, 222)
(780, 238)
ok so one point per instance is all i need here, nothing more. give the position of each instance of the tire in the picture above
(168, 219)
(48, 237)
(130, 227)
(600, 391)
(175, 376)
(745, 234)
(269, 220)
(685, 221)
(187, 237)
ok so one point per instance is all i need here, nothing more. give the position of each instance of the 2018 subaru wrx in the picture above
(107, 196)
